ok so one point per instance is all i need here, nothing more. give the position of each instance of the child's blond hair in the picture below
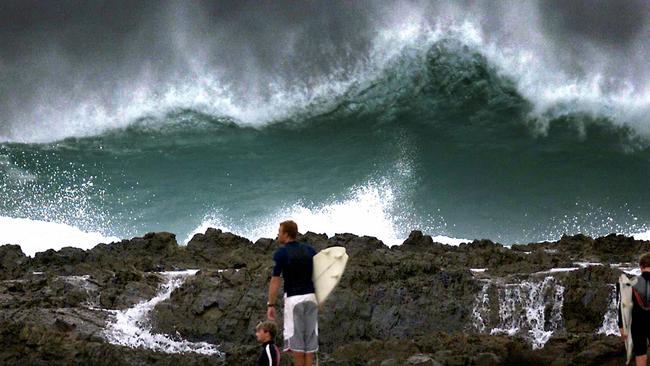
(269, 327)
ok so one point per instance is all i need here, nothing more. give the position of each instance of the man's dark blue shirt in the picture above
(294, 261)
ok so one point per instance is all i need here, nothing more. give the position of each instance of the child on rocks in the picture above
(270, 354)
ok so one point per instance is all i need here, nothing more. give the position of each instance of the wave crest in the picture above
(457, 60)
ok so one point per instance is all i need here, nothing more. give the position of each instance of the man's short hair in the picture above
(268, 327)
(290, 228)
(644, 261)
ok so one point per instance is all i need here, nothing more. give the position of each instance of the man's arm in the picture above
(274, 288)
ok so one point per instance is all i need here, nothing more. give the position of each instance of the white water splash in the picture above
(522, 309)
(131, 327)
(610, 320)
(369, 209)
(642, 236)
(37, 236)
(366, 211)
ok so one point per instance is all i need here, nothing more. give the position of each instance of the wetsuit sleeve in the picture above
(275, 353)
(618, 307)
(279, 259)
(266, 357)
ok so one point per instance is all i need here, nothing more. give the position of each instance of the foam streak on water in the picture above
(131, 326)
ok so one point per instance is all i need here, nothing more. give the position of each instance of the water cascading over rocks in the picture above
(131, 327)
(610, 320)
(532, 309)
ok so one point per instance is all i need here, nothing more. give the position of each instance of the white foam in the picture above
(131, 326)
(367, 211)
(642, 236)
(449, 240)
(558, 270)
(214, 221)
(91, 115)
(83, 113)
(37, 236)
(587, 264)
(528, 57)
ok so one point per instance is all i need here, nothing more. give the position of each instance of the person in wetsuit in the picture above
(294, 261)
(640, 313)
(270, 354)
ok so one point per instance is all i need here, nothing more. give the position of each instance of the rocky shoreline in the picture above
(419, 303)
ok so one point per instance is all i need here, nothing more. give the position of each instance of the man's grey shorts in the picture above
(301, 323)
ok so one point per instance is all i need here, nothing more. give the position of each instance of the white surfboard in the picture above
(329, 265)
(625, 300)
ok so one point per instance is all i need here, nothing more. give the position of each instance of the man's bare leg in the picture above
(299, 358)
(303, 359)
(642, 360)
(309, 359)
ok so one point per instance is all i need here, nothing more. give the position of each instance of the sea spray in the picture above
(131, 327)
(35, 236)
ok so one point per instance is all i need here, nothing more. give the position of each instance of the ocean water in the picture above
(448, 123)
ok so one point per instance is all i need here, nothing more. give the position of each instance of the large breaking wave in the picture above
(442, 123)
(397, 53)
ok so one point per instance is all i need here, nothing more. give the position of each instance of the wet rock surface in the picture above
(420, 303)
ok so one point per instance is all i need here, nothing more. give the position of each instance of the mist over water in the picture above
(510, 121)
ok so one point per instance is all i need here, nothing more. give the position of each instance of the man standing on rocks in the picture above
(640, 313)
(294, 261)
